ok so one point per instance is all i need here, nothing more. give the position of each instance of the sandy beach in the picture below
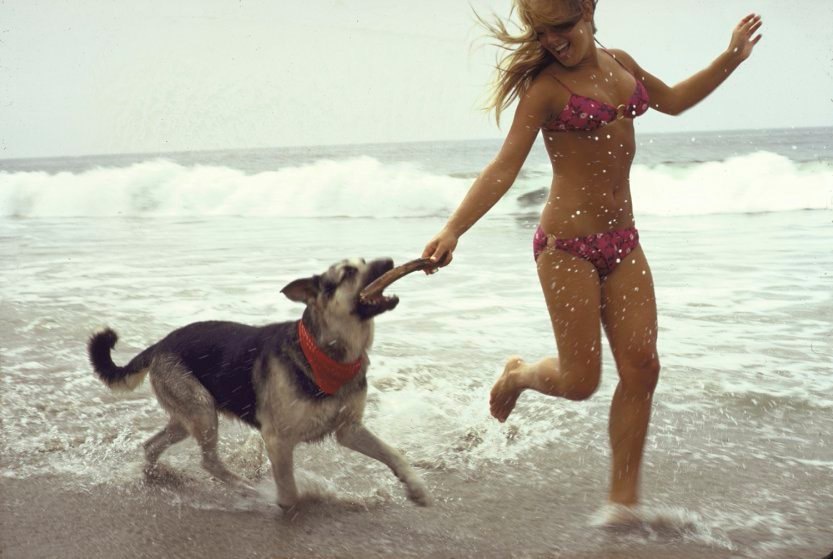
(471, 517)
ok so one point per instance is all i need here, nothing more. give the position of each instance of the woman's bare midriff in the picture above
(590, 190)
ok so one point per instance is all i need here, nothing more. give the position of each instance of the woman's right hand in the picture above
(440, 249)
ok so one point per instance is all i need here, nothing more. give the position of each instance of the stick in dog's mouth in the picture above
(372, 293)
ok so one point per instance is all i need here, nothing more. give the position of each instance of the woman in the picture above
(593, 271)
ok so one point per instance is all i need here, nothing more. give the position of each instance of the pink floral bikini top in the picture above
(585, 113)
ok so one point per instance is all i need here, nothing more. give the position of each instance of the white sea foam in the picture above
(363, 186)
(661, 521)
(754, 183)
(356, 187)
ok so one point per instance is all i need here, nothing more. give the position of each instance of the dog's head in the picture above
(336, 291)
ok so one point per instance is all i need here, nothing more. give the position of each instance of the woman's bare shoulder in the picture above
(549, 83)
(624, 58)
(544, 97)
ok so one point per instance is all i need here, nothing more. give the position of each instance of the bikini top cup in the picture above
(585, 113)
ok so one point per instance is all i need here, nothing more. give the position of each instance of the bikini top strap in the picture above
(613, 56)
(564, 85)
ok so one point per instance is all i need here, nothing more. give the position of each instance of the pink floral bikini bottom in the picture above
(604, 250)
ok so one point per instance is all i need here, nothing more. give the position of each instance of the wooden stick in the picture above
(379, 284)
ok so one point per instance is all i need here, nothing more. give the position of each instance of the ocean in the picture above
(737, 226)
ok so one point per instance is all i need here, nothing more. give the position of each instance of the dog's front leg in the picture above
(356, 437)
(281, 455)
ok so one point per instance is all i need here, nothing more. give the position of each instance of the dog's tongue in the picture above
(378, 285)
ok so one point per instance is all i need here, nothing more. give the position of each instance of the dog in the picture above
(296, 381)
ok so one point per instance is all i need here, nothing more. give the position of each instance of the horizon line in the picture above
(382, 143)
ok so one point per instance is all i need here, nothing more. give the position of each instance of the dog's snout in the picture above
(380, 266)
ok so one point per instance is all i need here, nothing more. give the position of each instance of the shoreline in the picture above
(48, 517)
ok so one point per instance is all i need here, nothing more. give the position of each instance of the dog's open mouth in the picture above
(377, 304)
(372, 297)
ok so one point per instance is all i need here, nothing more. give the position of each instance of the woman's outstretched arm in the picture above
(497, 177)
(675, 99)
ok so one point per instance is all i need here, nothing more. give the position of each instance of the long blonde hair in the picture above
(525, 58)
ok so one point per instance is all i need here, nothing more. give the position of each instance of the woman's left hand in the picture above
(744, 38)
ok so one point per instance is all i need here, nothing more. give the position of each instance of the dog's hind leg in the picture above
(205, 429)
(191, 408)
(173, 433)
(357, 437)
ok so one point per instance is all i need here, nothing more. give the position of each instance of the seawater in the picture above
(736, 226)
(674, 174)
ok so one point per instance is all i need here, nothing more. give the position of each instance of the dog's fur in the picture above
(260, 375)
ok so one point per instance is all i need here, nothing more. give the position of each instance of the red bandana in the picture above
(329, 375)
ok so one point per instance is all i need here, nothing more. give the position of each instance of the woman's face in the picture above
(562, 30)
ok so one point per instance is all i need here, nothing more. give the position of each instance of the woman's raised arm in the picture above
(684, 95)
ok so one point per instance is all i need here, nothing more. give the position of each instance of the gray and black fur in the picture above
(260, 375)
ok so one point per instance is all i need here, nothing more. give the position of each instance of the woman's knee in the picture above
(640, 372)
(580, 383)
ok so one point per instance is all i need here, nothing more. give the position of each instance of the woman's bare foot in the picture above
(617, 516)
(506, 390)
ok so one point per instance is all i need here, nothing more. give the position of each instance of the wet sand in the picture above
(493, 515)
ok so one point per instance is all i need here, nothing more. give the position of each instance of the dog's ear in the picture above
(303, 290)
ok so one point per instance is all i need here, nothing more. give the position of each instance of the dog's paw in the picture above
(245, 490)
(288, 506)
(418, 493)
(162, 475)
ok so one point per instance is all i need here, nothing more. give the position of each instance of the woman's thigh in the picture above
(572, 292)
(629, 313)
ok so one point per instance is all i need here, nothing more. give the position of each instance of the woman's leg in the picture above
(629, 316)
(572, 291)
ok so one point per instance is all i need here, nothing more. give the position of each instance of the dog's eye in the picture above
(328, 287)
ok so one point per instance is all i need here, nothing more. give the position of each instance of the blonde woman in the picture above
(583, 100)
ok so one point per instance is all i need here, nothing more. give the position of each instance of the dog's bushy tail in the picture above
(117, 378)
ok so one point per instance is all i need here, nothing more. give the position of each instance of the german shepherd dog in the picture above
(296, 381)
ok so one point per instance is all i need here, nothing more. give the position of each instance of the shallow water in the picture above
(739, 457)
